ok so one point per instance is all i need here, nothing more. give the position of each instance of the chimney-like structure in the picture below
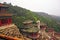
(38, 24)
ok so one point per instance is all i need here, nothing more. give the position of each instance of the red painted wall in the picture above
(5, 21)
(9, 20)
(0, 23)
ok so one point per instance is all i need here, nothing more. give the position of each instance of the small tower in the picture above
(38, 24)
(5, 17)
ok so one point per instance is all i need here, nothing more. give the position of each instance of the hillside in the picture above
(50, 20)
(57, 18)
(22, 14)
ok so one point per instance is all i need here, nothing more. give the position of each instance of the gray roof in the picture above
(30, 30)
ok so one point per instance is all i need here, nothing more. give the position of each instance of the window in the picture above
(3, 39)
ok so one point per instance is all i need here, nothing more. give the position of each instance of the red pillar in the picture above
(0, 23)
(9, 20)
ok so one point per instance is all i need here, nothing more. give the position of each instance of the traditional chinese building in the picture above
(5, 17)
(30, 29)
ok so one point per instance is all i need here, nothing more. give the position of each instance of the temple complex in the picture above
(34, 30)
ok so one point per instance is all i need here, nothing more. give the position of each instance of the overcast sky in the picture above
(49, 6)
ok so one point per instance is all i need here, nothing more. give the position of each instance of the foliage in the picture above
(21, 14)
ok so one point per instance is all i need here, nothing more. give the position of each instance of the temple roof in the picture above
(27, 22)
(31, 30)
(5, 14)
(10, 30)
(2, 5)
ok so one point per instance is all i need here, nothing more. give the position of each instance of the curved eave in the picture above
(34, 37)
(30, 31)
(2, 5)
(6, 14)
(5, 17)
